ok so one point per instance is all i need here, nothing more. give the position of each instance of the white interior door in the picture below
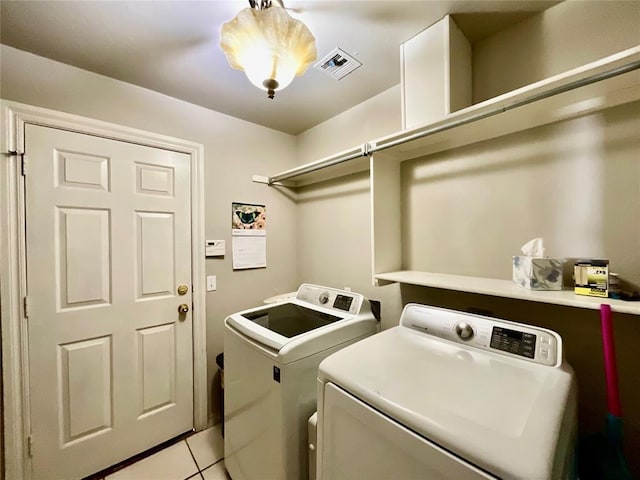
(108, 243)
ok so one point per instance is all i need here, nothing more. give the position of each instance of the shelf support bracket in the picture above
(261, 179)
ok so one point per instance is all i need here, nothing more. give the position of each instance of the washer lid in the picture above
(294, 330)
(289, 319)
(276, 325)
(499, 413)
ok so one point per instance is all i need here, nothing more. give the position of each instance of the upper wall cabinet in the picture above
(435, 73)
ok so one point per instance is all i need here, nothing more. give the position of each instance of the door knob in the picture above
(183, 308)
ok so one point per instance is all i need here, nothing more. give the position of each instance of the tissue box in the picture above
(538, 273)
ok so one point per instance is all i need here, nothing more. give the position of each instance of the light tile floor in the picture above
(198, 457)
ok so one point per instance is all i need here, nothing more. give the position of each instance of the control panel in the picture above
(499, 336)
(513, 341)
(333, 299)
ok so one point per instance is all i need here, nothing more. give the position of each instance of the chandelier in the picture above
(270, 46)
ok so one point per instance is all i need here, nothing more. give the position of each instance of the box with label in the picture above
(538, 273)
(592, 278)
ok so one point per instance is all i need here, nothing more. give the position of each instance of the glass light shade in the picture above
(268, 45)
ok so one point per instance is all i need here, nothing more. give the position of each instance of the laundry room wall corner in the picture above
(334, 226)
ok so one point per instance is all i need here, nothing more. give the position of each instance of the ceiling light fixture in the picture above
(269, 45)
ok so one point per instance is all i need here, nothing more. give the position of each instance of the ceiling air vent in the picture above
(337, 64)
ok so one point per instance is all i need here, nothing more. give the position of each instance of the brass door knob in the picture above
(183, 308)
(183, 289)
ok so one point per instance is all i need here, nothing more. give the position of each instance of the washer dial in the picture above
(464, 330)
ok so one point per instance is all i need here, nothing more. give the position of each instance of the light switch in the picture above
(211, 283)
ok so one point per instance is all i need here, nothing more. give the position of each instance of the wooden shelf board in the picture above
(505, 288)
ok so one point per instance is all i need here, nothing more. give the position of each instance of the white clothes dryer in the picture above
(448, 395)
(271, 357)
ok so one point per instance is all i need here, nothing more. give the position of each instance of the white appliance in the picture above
(448, 395)
(271, 357)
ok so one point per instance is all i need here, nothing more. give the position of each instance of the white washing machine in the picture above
(448, 395)
(271, 358)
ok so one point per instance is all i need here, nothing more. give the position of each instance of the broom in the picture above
(614, 466)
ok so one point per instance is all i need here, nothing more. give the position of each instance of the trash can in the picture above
(220, 363)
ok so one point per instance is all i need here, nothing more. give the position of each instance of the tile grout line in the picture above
(196, 475)
(214, 463)
(194, 458)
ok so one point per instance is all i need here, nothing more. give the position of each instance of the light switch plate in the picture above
(211, 283)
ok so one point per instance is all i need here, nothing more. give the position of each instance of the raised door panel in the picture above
(154, 179)
(81, 170)
(155, 254)
(156, 367)
(85, 386)
(84, 259)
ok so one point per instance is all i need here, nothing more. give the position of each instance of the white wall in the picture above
(230, 162)
(334, 219)
(576, 184)
(560, 38)
(376, 117)
(467, 211)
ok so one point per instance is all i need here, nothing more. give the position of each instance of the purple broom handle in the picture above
(611, 372)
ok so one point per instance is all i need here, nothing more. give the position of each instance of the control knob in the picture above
(464, 331)
(324, 297)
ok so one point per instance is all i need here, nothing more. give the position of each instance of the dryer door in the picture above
(357, 441)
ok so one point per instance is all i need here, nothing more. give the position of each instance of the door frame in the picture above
(15, 367)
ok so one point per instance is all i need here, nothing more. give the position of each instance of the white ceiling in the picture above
(173, 47)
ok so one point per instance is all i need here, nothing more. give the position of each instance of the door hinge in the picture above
(30, 446)
(25, 305)
(24, 165)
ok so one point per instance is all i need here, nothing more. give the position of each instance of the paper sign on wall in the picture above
(249, 252)
(249, 231)
(248, 219)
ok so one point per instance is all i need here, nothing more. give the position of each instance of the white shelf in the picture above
(505, 288)
(331, 167)
(526, 108)
(603, 94)
(421, 141)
